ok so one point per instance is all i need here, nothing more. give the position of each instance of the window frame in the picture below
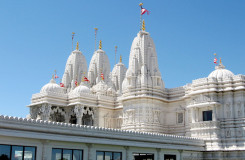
(23, 151)
(109, 151)
(177, 117)
(67, 149)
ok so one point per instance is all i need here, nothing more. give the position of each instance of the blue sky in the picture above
(35, 39)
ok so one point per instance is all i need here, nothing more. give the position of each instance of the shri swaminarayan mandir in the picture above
(128, 114)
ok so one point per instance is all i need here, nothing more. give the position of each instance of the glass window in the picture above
(67, 154)
(117, 156)
(180, 117)
(207, 115)
(169, 157)
(108, 155)
(99, 155)
(17, 153)
(56, 154)
(102, 155)
(30, 153)
(77, 154)
(5, 152)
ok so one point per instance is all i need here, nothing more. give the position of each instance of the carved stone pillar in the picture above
(197, 115)
(214, 113)
(68, 113)
(33, 112)
(78, 110)
(45, 111)
(193, 115)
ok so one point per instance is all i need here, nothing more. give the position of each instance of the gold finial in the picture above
(141, 4)
(143, 25)
(77, 47)
(220, 61)
(120, 58)
(215, 54)
(100, 45)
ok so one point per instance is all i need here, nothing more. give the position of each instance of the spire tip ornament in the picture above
(100, 45)
(77, 47)
(143, 25)
(120, 58)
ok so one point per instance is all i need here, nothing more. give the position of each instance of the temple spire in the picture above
(100, 45)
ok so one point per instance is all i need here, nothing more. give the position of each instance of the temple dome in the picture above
(220, 72)
(52, 87)
(82, 88)
(100, 88)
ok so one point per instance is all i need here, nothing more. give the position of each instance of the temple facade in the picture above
(129, 113)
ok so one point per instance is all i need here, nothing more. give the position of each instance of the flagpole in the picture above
(95, 34)
(140, 15)
(115, 55)
(72, 37)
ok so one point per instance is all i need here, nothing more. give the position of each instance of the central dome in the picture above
(82, 88)
(220, 72)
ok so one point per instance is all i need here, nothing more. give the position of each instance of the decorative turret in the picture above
(143, 71)
(76, 68)
(99, 64)
(118, 74)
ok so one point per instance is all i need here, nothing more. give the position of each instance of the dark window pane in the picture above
(17, 153)
(29, 153)
(4, 152)
(108, 155)
(67, 154)
(56, 154)
(99, 155)
(117, 156)
(207, 115)
(77, 155)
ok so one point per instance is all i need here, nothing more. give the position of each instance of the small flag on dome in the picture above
(62, 84)
(55, 75)
(76, 83)
(102, 76)
(215, 60)
(85, 79)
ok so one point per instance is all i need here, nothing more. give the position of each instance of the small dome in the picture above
(52, 87)
(220, 72)
(82, 88)
(101, 87)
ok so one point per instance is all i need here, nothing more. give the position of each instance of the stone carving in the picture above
(228, 110)
(201, 99)
(43, 112)
(239, 109)
(228, 133)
